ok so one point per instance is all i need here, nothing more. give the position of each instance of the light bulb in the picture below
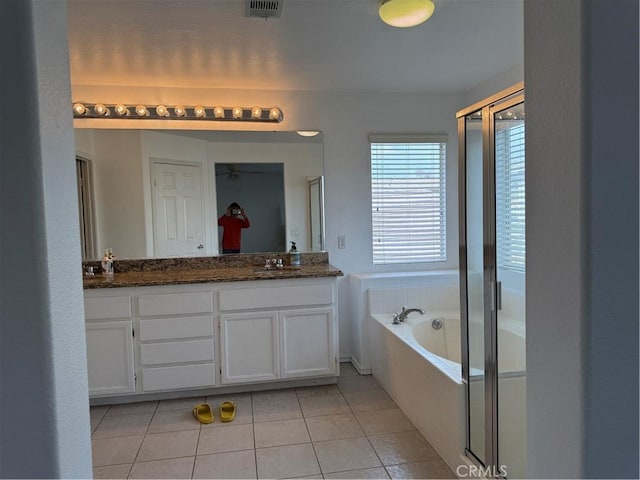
(218, 112)
(162, 111)
(142, 111)
(180, 111)
(79, 108)
(199, 111)
(101, 109)
(121, 110)
(275, 114)
(256, 112)
(236, 112)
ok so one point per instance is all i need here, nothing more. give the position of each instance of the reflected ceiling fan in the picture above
(233, 172)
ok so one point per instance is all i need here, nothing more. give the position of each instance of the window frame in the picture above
(422, 256)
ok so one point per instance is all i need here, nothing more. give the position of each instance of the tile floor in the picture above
(349, 430)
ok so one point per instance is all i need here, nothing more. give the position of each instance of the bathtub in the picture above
(420, 369)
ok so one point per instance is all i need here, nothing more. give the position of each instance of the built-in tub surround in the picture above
(388, 292)
(225, 268)
(420, 367)
(426, 385)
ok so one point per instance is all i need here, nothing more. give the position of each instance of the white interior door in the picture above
(178, 210)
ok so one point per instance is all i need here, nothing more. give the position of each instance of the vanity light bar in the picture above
(177, 112)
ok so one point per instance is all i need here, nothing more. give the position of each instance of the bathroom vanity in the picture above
(179, 328)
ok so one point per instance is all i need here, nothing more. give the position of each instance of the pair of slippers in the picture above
(203, 413)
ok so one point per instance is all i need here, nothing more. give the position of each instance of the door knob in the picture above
(200, 246)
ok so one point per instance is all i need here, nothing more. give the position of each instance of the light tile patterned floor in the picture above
(349, 430)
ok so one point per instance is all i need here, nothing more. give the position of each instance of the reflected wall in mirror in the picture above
(155, 192)
(259, 190)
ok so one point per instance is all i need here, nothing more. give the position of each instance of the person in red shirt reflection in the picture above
(232, 223)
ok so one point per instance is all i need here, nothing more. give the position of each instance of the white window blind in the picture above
(408, 198)
(510, 198)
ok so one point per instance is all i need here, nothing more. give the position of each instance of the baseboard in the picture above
(223, 390)
(359, 368)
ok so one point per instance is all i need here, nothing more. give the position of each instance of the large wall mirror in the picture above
(159, 193)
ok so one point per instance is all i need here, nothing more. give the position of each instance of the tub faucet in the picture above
(402, 316)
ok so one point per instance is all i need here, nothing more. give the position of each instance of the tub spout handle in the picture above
(402, 316)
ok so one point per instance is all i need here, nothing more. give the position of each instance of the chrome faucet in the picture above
(402, 316)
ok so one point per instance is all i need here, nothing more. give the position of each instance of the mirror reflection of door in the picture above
(259, 189)
(86, 209)
(315, 185)
(178, 218)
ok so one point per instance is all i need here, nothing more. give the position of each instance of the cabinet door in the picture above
(308, 342)
(110, 357)
(249, 347)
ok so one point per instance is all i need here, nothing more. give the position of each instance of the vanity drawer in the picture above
(275, 297)
(176, 352)
(176, 327)
(181, 376)
(107, 307)
(184, 303)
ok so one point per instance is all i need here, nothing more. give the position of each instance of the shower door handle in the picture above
(496, 296)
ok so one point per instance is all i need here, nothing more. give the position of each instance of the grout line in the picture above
(143, 438)
(195, 454)
(253, 427)
(94, 430)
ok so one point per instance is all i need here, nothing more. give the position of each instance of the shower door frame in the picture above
(498, 102)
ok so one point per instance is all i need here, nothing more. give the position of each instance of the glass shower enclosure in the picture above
(492, 280)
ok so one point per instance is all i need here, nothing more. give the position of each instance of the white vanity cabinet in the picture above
(308, 342)
(153, 339)
(109, 334)
(249, 346)
(175, 337)
(284, 331)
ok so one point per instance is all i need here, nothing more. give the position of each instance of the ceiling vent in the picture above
(263, 8)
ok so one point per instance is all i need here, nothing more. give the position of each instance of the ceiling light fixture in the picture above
(406, 13)
(179, 112)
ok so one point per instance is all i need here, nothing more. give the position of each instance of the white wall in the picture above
(582, 238)
(496, 83)
(44, 403)
(119, 201)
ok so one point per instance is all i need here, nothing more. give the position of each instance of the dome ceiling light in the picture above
(406, 13)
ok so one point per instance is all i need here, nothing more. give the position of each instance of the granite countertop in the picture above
(207, 275)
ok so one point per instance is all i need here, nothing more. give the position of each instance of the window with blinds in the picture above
(408, 177)
(510, 198)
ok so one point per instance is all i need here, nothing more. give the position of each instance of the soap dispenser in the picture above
(294, 255)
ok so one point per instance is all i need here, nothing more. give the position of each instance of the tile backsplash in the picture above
(435, 298)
